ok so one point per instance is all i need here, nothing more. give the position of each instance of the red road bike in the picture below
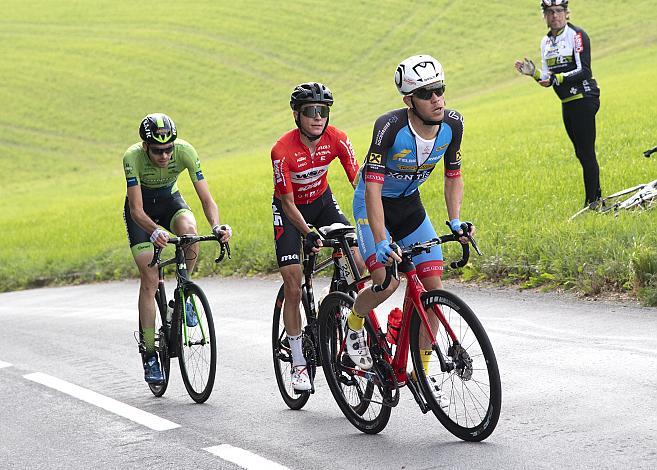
(461, 384)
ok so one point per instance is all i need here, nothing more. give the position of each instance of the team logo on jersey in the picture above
(127, 168)
(579, 43)
(374, 158)
(458, 155)
(401, 154)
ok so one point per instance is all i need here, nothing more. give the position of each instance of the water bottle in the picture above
(394, 323)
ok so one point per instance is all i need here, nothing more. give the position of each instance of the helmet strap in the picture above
(426, 122)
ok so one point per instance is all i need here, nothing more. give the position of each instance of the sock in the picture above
(425, 355)
(149, 340)
(297, 352)
(355, 321)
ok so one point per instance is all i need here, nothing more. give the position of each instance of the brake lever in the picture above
(473, 242)
(156, 256)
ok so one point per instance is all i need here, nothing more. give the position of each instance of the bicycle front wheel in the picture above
(360, 395)
(466, 399)
(197, 344)
(283, 356)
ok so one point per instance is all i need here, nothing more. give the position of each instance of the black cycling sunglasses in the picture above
(312, 111)
(426, 92)
(162, 150)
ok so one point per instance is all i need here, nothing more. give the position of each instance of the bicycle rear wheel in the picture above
(467, 399)
(283, 356)
(197, 345)
(360, 395)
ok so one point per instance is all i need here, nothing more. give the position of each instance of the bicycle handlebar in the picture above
(424, 247)
(188, 240)
(649, 152)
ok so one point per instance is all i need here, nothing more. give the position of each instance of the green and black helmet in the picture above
(157, 128)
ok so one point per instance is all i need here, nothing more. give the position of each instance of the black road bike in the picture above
(345, 278)
(195, 346)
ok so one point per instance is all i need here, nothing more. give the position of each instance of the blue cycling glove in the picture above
(383, 251)
(455, 225)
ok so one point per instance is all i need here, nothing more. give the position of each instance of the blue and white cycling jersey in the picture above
(401, 160)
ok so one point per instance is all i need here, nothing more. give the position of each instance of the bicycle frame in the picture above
(340, 247)
(412, 301)
(182, 281)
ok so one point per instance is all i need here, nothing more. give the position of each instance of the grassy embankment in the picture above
(77, 79)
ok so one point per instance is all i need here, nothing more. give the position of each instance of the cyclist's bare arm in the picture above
(136, 204)
(137, 213)
(210, 208)
(453, 196)
(374, 207)
(293, 213)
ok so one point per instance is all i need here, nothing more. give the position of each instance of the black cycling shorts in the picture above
(162, 209)
(322, 211)
(403, 214)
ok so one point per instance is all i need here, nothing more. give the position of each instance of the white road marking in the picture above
(4, 364)
(244, 458)
(130, 412)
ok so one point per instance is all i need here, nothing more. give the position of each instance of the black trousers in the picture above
(579, 119)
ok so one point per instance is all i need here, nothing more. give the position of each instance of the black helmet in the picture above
(554, 3)
(157, 128)
(311, 92)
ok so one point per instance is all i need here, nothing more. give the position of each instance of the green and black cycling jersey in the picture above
(162, 201)
(567, 57)
(139, 170)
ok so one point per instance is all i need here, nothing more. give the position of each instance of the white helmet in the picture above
(554, 3)
(418, 71)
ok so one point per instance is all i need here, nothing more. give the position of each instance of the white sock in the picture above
(297, 352)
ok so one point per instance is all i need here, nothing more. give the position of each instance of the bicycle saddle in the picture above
(336, 230)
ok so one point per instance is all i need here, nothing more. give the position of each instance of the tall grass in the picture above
(77, 77)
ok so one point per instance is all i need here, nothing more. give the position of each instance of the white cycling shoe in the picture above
(301, 379)
(357, 348)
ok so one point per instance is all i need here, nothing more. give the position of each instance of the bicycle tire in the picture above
(197, 353)
(160, 345)
(283, 357)
(472, 390)
(359, 399)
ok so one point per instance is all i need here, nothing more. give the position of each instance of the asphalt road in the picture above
(579, 383)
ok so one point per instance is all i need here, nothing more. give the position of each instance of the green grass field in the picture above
(77, 78)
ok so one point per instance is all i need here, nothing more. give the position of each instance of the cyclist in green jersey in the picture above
(153, 204)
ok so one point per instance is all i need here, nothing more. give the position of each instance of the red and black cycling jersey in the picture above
(297, 171)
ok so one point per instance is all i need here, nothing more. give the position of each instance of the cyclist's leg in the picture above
(142, 251)
(287, 240)
(366, 299)
(181, 221)
(429, 267)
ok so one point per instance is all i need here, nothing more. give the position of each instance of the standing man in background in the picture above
(566, 67)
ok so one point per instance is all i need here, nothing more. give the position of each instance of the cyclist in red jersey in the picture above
(302, 196)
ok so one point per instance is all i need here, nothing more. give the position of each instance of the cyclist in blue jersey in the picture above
(407, 145)
(566, 67)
